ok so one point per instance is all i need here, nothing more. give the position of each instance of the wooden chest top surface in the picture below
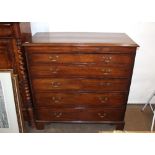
(81, 39)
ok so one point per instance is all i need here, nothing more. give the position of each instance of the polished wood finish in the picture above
(80, 77)
(6, 30)
(6, 54)
(82, 38)
(107, 59)
(70, 114)
(57, 99)
(77, 49)
(12, 35)
(48, 84)
(80, 71)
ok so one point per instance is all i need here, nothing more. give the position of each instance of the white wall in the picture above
(143, 33)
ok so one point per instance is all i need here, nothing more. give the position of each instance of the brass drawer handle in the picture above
(53, 58)
(103, 99)
(105, 84)
(106, 71)
(101, 115)
(57, 114)
(54, 70)
(56, 84)
(107, 59)
(56, 99)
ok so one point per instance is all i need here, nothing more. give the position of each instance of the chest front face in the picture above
(80, 83)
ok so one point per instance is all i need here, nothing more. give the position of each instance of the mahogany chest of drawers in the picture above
(80, 77)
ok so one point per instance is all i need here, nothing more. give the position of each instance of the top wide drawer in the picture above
(117, 59)
(6, 30)
(77, 49)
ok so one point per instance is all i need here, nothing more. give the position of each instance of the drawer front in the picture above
(79, 71)
(6, 30)
(119, 59)
(48, 84)
(57, 99)
(4, 61)
(79, 49)
(63, 49)
(5, 54)
(107, 114)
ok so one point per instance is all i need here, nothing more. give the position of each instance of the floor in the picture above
(135, 121)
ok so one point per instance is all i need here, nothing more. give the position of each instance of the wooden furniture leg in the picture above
(40, 125)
